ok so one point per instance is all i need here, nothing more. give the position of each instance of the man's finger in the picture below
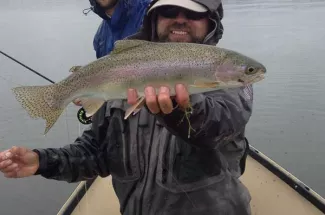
(5, 155)
(77, 102)
(151, 100)
(5, 164)
(11, 174)
(182, 96)
(164, 101)
(10, 168)
(132, 96)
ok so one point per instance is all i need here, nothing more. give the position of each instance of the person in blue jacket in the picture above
(121, 18)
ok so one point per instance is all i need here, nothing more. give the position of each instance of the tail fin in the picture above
(33, 100)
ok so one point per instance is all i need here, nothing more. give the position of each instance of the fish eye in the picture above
(250, 70)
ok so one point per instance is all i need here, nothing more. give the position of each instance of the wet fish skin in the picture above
(136, 64)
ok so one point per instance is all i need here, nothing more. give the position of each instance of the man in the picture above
(121, 18)
(155, 167)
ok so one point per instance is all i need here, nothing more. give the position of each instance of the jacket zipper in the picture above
(148, 166)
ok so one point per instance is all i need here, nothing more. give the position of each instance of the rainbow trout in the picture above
(136, 64)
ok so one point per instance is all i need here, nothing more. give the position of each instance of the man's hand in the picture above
(77, 102)
(18, 162)
(161, 102)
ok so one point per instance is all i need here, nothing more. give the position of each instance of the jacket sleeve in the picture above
(84, 159)
(97, 41)
(216, 116)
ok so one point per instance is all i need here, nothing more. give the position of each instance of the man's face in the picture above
(107, 4)
(175, 24)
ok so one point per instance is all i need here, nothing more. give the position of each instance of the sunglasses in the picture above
(172, 12)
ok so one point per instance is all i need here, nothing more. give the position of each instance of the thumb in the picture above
(77, 102)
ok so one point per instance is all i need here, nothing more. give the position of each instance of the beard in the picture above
(192, 37)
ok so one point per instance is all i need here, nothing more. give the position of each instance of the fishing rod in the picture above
(37, 73)
(81, 114)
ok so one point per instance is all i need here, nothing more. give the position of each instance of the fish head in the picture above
(251, 73)
(239, 70)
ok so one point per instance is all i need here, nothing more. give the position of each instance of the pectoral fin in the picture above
(135, 108)
(91, 105)
(205, 84)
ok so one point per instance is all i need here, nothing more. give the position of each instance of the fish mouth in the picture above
(252, 80)
(257, 78)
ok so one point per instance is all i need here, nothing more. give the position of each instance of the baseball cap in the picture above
(188, 4)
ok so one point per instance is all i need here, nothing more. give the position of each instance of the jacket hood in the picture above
(96, 8)
(127, 5)
(148, 30)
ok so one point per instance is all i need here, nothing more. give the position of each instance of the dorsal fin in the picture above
(75, 68)
(123, 45)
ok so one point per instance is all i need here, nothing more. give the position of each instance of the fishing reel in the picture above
(83, 119)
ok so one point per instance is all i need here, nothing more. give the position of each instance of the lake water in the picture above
(288, 121)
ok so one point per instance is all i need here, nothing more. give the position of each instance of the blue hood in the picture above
(125, 21)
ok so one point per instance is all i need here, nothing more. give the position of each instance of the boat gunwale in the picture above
(300, 187)
(76, 196)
